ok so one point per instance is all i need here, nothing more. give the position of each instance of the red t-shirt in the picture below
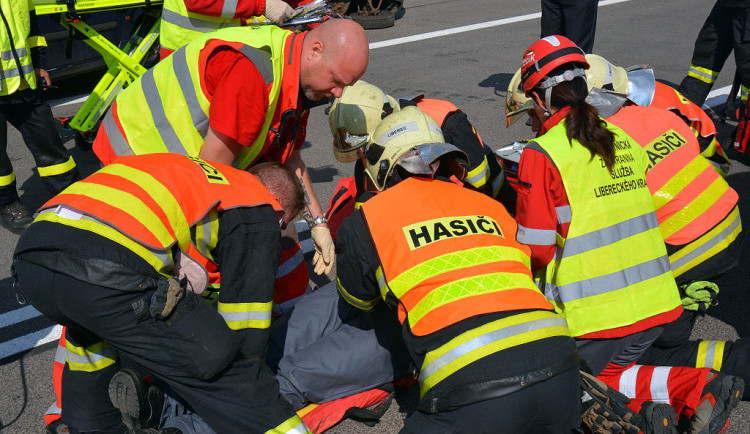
(238, 96)
(540, 192)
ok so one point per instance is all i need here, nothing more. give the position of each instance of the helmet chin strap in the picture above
(546, 111)
(548, 83)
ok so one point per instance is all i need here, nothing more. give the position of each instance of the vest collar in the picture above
(554, 120)
(290, 85)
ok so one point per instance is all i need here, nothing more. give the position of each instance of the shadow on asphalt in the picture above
(499, 82)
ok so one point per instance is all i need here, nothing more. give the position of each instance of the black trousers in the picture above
(575, 19)
(725, 29)
(549, 407)
(192, 351)
(674, 347)
(30, 115)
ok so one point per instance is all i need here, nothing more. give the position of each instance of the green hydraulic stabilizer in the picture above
(123, 65)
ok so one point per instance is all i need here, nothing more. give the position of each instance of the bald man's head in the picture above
(283, 185)
(334, 55)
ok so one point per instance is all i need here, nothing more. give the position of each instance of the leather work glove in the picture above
(165, 298)
(605, 409)
(325, 254)
(278, 11)
(699, 295)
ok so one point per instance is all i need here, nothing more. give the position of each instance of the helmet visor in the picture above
(343, 141)
(515, 111)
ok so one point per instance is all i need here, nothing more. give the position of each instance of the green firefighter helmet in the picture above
(411, 140)
(604, 75)
(516, 101)
(355, 115)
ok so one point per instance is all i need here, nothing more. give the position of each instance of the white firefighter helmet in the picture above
(355, 115)
(637, 82)
(604, 75)
(516, 101)
(413, 141)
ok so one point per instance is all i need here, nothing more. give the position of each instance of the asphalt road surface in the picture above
(464, 51)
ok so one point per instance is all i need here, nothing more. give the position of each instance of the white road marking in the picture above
(469, 28)
(17, 315)
(29, 341)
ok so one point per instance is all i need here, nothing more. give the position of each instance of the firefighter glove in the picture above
(699, 295)
(166, 297)
(605, 409)
(325, 254)
(278, 11)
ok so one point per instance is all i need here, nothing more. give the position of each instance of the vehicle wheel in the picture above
(382, 20)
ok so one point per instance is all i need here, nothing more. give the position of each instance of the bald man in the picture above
(238, 96)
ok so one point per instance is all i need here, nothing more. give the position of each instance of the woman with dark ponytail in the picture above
(586, 212)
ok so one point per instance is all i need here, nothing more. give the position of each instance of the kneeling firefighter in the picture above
(445, 259)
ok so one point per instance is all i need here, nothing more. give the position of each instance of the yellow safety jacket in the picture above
(166, 109)
(612, 269)
(180, 26)
(16, 43)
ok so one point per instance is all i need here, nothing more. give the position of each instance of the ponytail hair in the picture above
(582, 123)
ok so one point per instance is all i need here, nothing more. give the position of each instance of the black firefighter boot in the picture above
(139, 403)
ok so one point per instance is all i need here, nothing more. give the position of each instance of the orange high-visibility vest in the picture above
(158, 201)
(448, 254)
(689, 196)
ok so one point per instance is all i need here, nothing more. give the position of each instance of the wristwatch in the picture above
(319, 221)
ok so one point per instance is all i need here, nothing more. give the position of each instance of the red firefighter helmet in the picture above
(545, 55)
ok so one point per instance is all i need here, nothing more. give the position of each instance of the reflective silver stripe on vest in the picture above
(262, 60)
(53, 409)
(229, 9)
(188, 23)
(539, 237)
(69, 213)
(246, 316)
(563, 214)
(488, 339)
(60, 354)
(206, 239)
(116, 139)
(610, 234)
(185, 80)
(721, 236)
(290, 264)
(162, 124)
(13, 72)
(612, 281)
(8, 55)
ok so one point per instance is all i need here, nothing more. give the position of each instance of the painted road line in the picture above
(18, 315)
(469, 28)
(29, 341)
(717, 96)
(62, 102)
(397, 41)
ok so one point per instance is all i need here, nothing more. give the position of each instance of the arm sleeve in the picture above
(36, 42)
(357, 264)
(238, 96)
(247, 252)
(540, 192)
(484, 173)
(213, 8)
